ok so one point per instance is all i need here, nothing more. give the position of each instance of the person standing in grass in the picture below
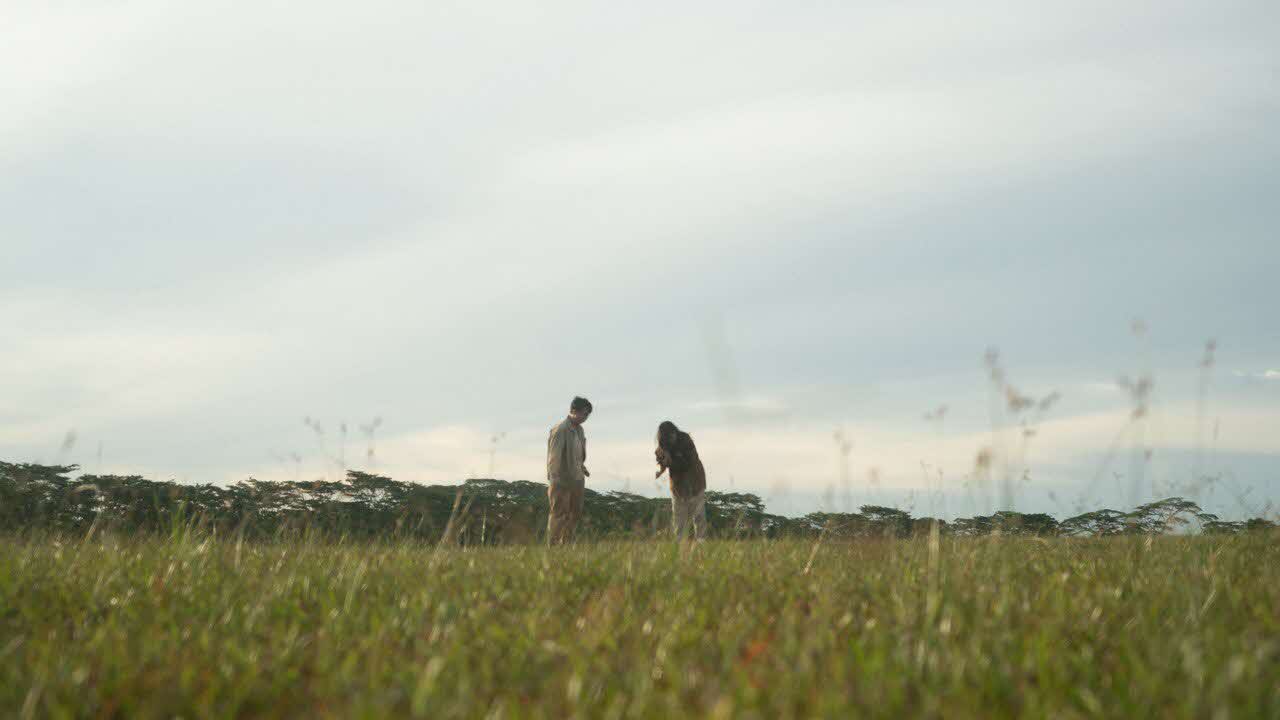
(566, 472)
(677, 454)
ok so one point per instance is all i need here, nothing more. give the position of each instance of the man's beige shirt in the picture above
(566, 454)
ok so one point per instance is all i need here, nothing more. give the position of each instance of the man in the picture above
(566, 473)
(677, 453)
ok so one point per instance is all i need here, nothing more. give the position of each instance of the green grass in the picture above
(997, 627)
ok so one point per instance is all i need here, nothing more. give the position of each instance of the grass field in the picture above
(997, 627)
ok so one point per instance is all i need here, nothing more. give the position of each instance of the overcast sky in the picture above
(793, 228)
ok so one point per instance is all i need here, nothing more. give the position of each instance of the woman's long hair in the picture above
(665, 428)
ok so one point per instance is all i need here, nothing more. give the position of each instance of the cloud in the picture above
(1264, 376)
(457, 215)
(93, 382)
(755, 406)
(803, 456)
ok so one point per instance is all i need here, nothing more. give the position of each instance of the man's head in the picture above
(579, 410)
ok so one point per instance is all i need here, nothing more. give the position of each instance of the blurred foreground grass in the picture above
(994, 627)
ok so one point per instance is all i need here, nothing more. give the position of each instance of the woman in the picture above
(676, 452)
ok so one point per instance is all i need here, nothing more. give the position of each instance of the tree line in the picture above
(488, 511)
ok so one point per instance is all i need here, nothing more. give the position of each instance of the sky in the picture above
(277, 240)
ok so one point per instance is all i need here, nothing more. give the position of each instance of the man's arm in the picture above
(556, 451)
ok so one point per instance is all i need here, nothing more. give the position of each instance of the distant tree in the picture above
(1011, 522)
(1163, 516)
(1099, 522)
(1221, 527)
(625, 513)
(886, 521)
(924, 526)
(489, 511)
(973, 526)
(40, 495)
(743, 514)
(836, 524)
(1260, 525)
